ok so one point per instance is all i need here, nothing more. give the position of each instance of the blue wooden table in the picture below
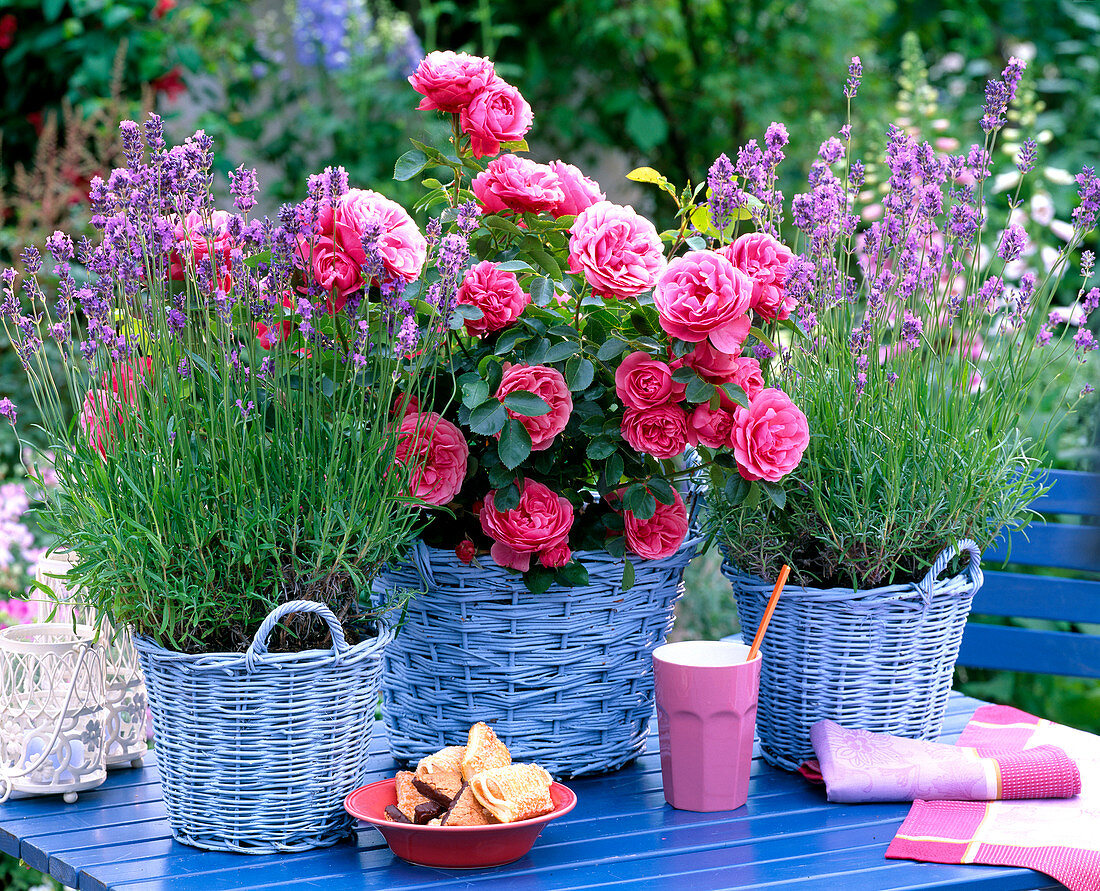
(621, 834)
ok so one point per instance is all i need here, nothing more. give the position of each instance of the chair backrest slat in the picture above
(1022, 649)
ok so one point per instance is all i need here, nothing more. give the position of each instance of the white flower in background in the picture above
(1042, 208)
(1062, 229)
(1058, 176)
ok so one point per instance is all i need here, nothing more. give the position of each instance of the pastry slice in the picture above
(408, 796)
(439, 776)
(483, 752)
(515, 792)
(465, 810)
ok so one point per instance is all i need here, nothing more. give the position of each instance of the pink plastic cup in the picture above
(706, 716)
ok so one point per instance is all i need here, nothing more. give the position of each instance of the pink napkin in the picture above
(1059, 837)
(857, 765)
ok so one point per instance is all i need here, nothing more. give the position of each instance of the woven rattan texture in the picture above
(257, 751)
(879, 660)
(565, 678)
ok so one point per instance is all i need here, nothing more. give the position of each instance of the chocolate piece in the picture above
(465, 810)
(429, 791)
(393, 812)
(429, 810)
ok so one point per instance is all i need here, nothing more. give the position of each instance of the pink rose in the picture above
(439, 453)
(397, 239)
(764, 260)
(661, 431)
(710, 364)
(662, 534)
(748, 377)
(769, 436)
(555, 556)
(498, 113)
(579, 191)
(540, 523)
(333, 269)
(104, 411)
(196, 239)
(619, 251)
(496, 293)
(548, 383)
(519, 184)
(448, 80)
(701, 296)
(712, 427)
(644, 382)
(277, 332)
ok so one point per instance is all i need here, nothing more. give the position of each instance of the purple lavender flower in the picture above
(763, 352)
(911, 329)
(999, 95)
(856, 174)
(1084, 342)
(722, 199)
(831, 151)
(243, 188)
(8, 410)
(855, 75)
(1088, 190)
(979, 162)
(1088, 258)
(861, 383)
(1086, 389)
(468, 217)
(891, 377)
(1025, 159)
(31, 259)
(1013, 242)
(1090, 302)
(775, 139)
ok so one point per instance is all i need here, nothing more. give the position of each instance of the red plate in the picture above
(465, 847)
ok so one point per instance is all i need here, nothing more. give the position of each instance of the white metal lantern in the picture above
(52, 709)
(126, 697)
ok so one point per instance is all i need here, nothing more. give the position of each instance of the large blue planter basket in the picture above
(256, 751)
(879, 659)
(565, 678)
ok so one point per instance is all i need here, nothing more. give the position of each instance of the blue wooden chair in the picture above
(1068, 540)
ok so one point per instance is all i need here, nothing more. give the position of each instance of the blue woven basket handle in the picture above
(974, 568)
(258, 648)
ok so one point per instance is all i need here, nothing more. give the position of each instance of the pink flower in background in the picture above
(496, 293)
(449, 80)
(104, 406)
(769, 436)
(701, 296)
(547, 383)
(360, 213)
(580, 192)
(498, 113)
(661, 431)
(198, 240)
(662, 534)
(710, 364)
(278, 331)
(519, 184)
(439, 452)
(618, 250)
(712, 427)
(748, 377)
(539, 524)
(764, 260)
(334, 270)
(644, 382)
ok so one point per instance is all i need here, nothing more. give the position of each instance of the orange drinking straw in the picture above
(772, 601)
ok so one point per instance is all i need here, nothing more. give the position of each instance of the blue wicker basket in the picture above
(879, 660)
(256, 751)
(565, 678)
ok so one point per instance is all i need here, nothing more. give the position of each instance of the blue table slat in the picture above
(1038, 597)
(621, 834)
(1048, 544)
(1024, 649)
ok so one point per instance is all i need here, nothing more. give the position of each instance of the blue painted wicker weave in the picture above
(565, 678)
(879, 660)
(257, 751)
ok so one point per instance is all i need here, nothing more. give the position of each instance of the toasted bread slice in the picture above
(515, 792)
(465, 810)
(439, 776)
(408, 796)
(483, 752)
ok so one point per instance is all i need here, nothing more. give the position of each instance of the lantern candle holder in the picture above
(126, 698)
(52, 710)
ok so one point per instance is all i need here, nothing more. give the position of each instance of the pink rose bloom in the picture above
(661, 432)
(662, 534)
(712, 427)
(498, 113)
(701, 296)
(764, 260)
(539, 524)
(193, 232)
(713, 366)
(277, 332)
(617, 249)
(769, 436)
(439, 453)
(548, 383)
(101, 411)
(398, 240)
(580, 192)
(448, 80)
(334, 270)
(556, 556)
(519, 184)
(748, 377)
(644, 382)
(496, 293)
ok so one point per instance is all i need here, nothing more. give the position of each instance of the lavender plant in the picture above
(912, 357)
(236, 381)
